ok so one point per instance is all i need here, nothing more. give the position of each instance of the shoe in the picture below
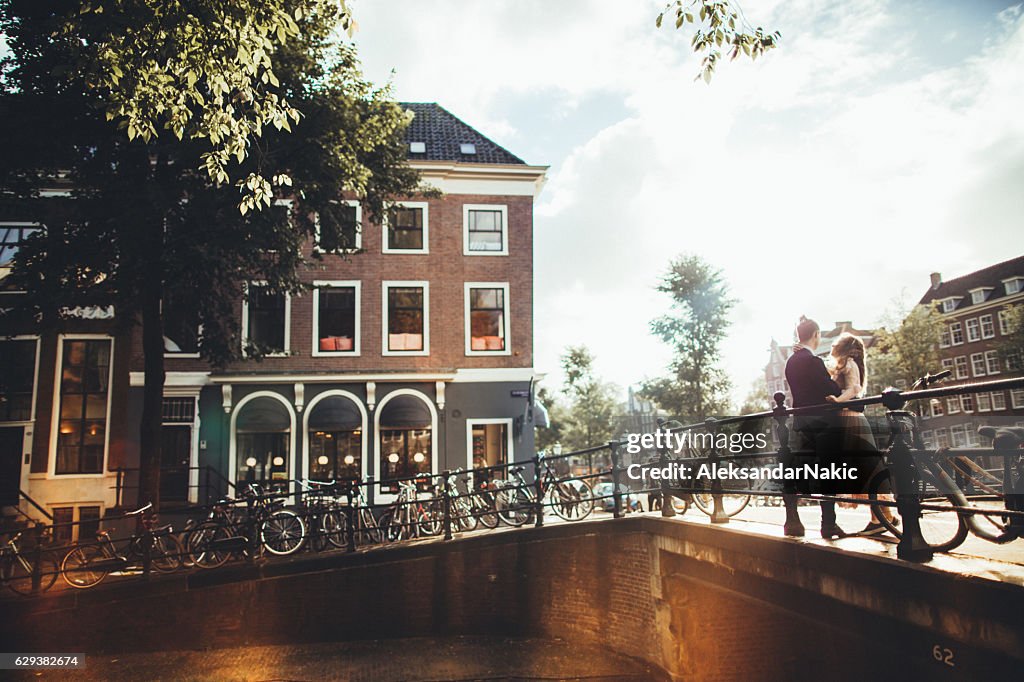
(793, 530)
(873, 528)
(831, 530)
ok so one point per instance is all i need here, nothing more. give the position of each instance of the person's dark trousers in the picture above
(829, 450)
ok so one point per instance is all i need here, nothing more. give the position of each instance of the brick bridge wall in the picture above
(701, 603)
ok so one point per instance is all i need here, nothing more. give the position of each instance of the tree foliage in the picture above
(758, 398)
(143, 225)
(698, 387)
(1011, 346)
(590, 418)
(719, 25)
(906, 348)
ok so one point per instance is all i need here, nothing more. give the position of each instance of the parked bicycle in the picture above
(515, 500)
(88, 564)
(18, 568)
(409, 517)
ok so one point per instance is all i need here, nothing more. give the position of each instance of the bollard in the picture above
(613, 446)
(446, 497)
(353, 517)
(538, 491)
(718, 514)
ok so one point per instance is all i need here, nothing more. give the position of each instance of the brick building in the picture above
(412, 352)
(775, 370)
(974, 309)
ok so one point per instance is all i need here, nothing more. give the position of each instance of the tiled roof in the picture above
(992, 276)
(443, 134)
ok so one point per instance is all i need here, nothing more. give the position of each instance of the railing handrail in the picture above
(35, 504)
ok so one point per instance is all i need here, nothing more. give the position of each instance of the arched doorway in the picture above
(261, 440)
(406, 442)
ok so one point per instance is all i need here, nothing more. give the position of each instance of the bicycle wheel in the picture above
(483, 509)
(463, 518)
(79, 567)
(334, 525)
(283, 532)
(17, 573)
(572, 500)
(201, 547)
(514, 505)
(731, 504)
(369, 532)
(430, 517)
(166, 554)
(941, 530)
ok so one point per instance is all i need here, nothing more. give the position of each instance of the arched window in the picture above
(335, 440)
(406, 447)
(263, 441)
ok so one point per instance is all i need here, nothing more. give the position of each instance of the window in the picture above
(12, 236)
(1004, 322)
(961, 367)
(263, 442)
(936, 406)
(971, 433)
(484, 230)
(978, 364)
(979, 295)
(88, 522)
(945, 340)
(984, 402)
(84, 388)
(929, 439)
(336, 318)
(265, 318)
(1013, 285)
(63, 525)
(1017, 398)
(973, 330)
(1013, 363)
(490, 444)
(941, 438)
(998, 400)
(181, 328)
(339, 227)
(948, 305)
(992, 361)
(956, 332)
(406, 228)
(335, 439)
(957, 437)
(406, 440)
(953, 405)
(967, 403)
(406, 319)
(487, 324)
(17, 379)
(947, 363)
(988, 330)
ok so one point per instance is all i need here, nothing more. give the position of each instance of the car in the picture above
(603, 498)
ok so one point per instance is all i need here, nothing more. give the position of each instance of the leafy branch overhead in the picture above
(202, 70)
(720, 27)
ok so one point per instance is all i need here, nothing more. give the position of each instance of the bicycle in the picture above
(327, 523)
(946, 529)
(570, 499)
(87, 565)
(408, 518)
(17, 569)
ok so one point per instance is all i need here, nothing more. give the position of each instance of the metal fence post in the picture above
(538, 492)
(667, 510)
(718, 514)
(793, 526)
(446, 496)
(353, 517)
(613, 446)
(912, 545)
(37, 557)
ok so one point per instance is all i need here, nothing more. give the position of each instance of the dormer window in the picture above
(467, 148)
(1013, 285)
(949, 304)
(417, 147)
(979, 295)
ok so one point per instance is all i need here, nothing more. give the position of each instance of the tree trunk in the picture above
(153, 390)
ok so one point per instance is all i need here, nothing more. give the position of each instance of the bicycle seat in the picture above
(100, 534)
(1003, 436)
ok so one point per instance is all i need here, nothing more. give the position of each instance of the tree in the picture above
(722, 25)
(1011, 346)
(695, 330)
(907, 346)
(145, 227)
(758, 398)
(591, 418)
(558, 418)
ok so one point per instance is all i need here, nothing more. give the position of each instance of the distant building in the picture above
(974, 309)
(775, 370)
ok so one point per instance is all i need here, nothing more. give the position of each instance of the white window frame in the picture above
(76, 515)
(967, 404)
(1013, 285)
(508, 318)
(331, 284)
(947, 363)
(51, 467)
(435, 455)
(973, 329)
(386, 248)
(928, 437)
(949, 305)
(975, 359)
(945, 338)
(957, 436)
(986, 323)
(953, 405)
(389, 284)
(6, 269)
(942, 437)
(965, 366)
(359, 232)
(935, 405)
(470, 423)
(1017, 398)
(979, 295)
(992, 362)
(971, 434)
(983, 403)
(287, 320)
(952, 333)
(998, 401)
(184, 356)
(503, 209)
(1004, 322)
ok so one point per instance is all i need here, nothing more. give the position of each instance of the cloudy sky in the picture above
(883, 140)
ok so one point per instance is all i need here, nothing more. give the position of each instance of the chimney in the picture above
(936, 280)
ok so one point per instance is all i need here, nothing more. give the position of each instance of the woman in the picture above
(850, 374)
